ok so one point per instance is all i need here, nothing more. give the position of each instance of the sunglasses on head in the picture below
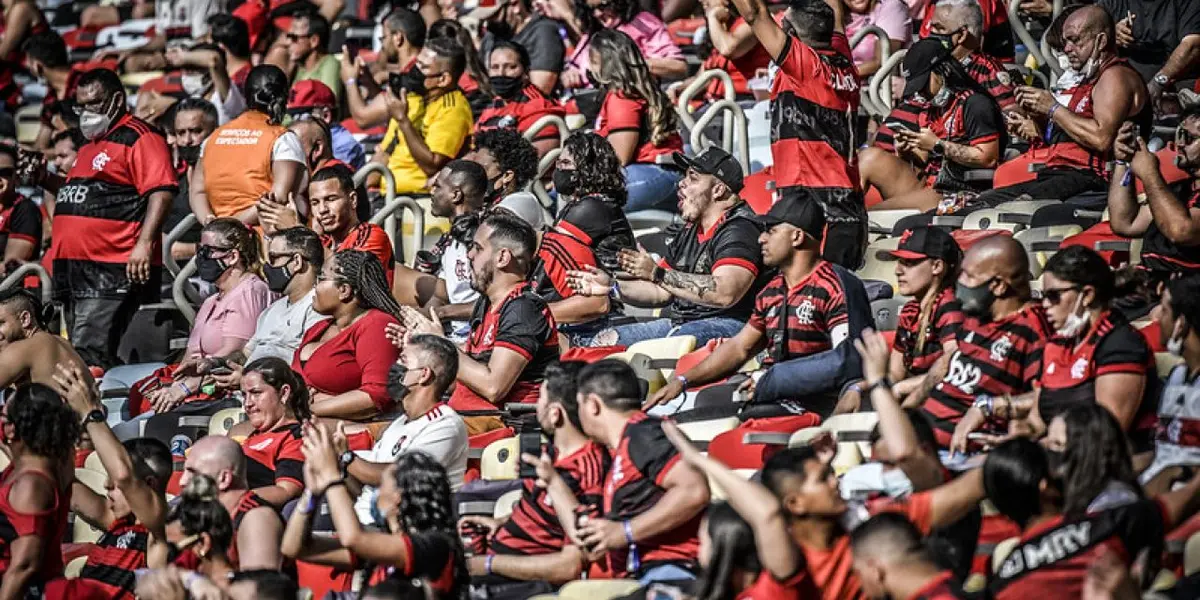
(1054, 295)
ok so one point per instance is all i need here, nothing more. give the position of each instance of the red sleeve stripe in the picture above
(514, 348)
(983, 139)
(1136, 368)
(408, 554)
(22, 236)
(736, 262)
(571, 230)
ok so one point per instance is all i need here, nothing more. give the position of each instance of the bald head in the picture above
(314, 138)
(1087, 33)
(999, 255)
(218, 457)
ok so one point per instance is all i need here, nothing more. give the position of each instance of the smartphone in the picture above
(901, 126)
(222, 370)
(531, 444)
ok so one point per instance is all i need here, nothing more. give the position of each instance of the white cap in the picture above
(526, 207)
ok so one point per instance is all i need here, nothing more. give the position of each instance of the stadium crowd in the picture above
(442, 300)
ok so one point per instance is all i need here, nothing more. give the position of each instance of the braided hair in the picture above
(43, 422)
(364, 274)
(267, 92)
(425, 507)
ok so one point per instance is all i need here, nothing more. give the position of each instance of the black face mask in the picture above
(277, 278)
(506, 87)
(189, 154)
(397, 390)
(412, 80)
(564, 182)
(208, 268)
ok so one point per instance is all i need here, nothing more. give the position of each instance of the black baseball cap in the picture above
(928, 242)
(918, 63)
(716, 162)
(807, 215)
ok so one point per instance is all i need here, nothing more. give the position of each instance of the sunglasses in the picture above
(1054, 295)
(211, 251)
(1183, 137)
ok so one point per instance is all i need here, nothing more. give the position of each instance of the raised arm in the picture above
(768, 32)
(1175, 220)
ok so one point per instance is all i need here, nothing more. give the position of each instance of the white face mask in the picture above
(93, 124)
(1076, 322)
(942, 97)
(193, 84)
(1092, 67)
(1175, 344)
(874, 478)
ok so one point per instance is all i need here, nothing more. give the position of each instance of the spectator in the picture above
(22, 20)
(509, 160)
(513, 335)
(428, 425)
(308, 51)
(40, 436)
(31, 351)
(730, 562)
(403, 38)
(117, 195)
(345, 359)
(711, 274)
(653, 502)
(1081, 136)
(816, 73)
(530, 552)
(589, 17)
(518, 103)
(1095, 459)
(954, 127)
(1161, 42)
(515, 22)
(458, 194)
(474, 81)
(417, 146)
(332, 202)
(276, 402)
(1178, 319)
(64, 147)
(195, 119)
(735, 51)
(257, 528)
(262, 584)
(204, 530)
(132, 517)
(294, 258)
(232, 36)
(20, 218)
(892, 561)
(48, 61)
(889, 15)
(238, 172)
(993, 35)
(791, 243)
(418, 537)
(1024, 488)
(999, 344)
(206, 76)
(1169, 222)
(960, 26)
(638, 120)
(588, 173)
(312, 99)
(1094, 356)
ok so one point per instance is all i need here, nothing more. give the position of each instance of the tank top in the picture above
(49, 525)
(1065, 152)
(237, 162)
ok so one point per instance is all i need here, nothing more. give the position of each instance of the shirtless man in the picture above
(29, 353)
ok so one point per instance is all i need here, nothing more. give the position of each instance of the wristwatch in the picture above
(939, 147)
(344, 461)
(1161, 79)
(94, 416)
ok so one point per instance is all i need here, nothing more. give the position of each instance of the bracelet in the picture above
(331, 486)
(183, 386)
(1050, 113)
(1050, 122)
(487, 563)
(986, 405)
(350, 82)
(882, 382)
(615, 291)
(628, 532)
(190, 578)
(307, 504)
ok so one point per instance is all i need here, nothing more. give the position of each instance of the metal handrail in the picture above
(18, 275)
(545, 165)
(735, 114)
(177, 294)
(1033, 46)
(883, 76)
(698, 84)
(549, 121)
(389, 194)
(885, 52)
(173, 236)
(387, 217)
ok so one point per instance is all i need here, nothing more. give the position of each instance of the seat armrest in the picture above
(1046, 246)
(975, 175)
(194, 421)
(948, 221)
(1018, 218)
(767, 439)
(474, 453)
(476, 508)
(1112, 246)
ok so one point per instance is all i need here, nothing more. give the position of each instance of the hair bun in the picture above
(200, 488)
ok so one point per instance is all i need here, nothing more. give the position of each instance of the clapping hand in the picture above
(875, 353)
(1125, 146)
(592, 282)
(417, 323)
(320, 454)
(637, 263)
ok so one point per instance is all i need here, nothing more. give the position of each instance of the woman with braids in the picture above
(39, 433)
(229, 258)
(345, 360)
(276, 402)
(413, 507)
(638, 119)
(251, 158)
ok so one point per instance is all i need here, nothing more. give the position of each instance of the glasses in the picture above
(1183, 137)
(211, 251)
(294, 37)
(1054, 295)
(271, 257)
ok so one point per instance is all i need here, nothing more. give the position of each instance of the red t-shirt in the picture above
(622, 113)
(357, 358)
(367, 237)
(275, 456)
(521, 113)
(48, 525)
(766, 587)
(741, 69)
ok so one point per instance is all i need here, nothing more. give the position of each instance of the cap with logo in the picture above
(919, 62)
(807, 215)
(485, 9)
(310, 93)
(927, 242)
(716, 162)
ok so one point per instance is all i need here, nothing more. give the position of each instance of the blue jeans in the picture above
(651, 187)
(703, 329)
(666, 573)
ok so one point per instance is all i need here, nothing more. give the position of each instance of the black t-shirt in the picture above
(1161, 254)
(180, 209)
(1158, 28)
(732, 241)
(541, 39)
(21, 220)
(600, 223)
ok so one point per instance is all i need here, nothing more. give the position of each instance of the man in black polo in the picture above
(713, 269)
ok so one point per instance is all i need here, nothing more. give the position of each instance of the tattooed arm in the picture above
(981, 156)
(722, 289)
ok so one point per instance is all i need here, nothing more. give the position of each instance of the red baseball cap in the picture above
(310, 93)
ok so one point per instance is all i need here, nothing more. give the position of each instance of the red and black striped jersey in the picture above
(640, 464)
(432, 556)
(534, 527)
(941, 587)
(275, 456)
(48, 525)
(798, 321)
(599, 222)
(945, 319)
(367, 237)
(1052, 559)
(987, 72)
(520, 113)
(994, 358)
(558, 254)
(20, 219)
(99, 211)
(248, 502)
(1159, 253)
(813, 102)
(1069, 371)
(118, 554)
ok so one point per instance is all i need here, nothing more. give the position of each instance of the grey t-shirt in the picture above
(541, 39)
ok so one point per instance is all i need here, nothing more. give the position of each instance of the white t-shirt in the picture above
(231, 107)
(441, 433)
(456, 272)
(281, 327)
